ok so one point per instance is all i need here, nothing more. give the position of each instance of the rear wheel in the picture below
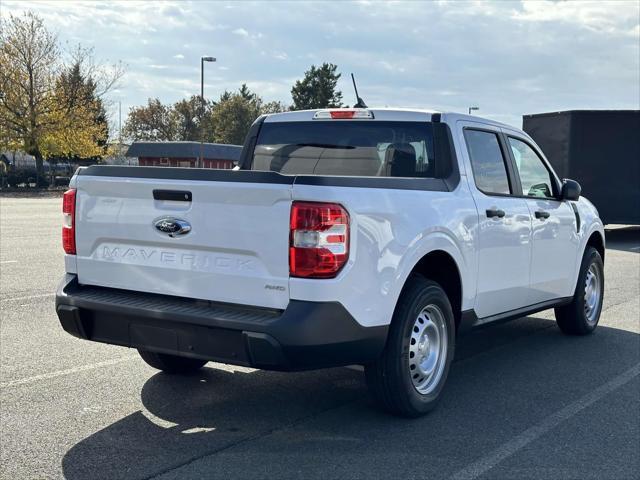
(581, 316)
(171, 363)
(408, 378)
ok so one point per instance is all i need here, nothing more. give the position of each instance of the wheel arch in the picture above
(596, 240)
(441, 267)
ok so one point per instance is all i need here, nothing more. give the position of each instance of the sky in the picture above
(509, 58)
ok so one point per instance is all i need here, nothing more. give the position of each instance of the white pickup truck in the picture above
(346, 237)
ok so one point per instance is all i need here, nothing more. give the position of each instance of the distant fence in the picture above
(58, 174)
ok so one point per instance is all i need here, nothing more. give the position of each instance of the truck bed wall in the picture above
(599, 149)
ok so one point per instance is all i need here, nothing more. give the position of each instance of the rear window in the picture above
(346, 148)
(487, 161)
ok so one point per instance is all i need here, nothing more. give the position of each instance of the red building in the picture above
(184, 154)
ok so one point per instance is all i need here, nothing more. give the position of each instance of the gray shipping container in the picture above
(601, 150)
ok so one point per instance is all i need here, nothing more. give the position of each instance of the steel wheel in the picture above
(592, 293)
(580, 316)
(409, 376)
(428, 349)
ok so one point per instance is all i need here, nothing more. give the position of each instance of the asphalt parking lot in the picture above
(523, 401)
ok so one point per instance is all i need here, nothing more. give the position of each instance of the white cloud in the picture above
(241, 31)
(391, 67)
(447, 93)
(608, 17)
(509, 57)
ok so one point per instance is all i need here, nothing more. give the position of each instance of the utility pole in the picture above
(202, 60)
(120, 122)
(119, 129)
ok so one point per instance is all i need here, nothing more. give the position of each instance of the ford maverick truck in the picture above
(345, 237)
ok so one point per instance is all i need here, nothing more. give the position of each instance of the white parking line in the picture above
(8, 261)
(507, 449)
(28, 297)
(60, 373)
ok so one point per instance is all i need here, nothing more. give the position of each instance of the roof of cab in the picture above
(393, 114)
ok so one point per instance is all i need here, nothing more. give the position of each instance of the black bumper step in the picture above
(306, 335)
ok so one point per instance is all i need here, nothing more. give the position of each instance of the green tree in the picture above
(233, 114)
(182, 121)
(245, 93)
(317, 89)
(82, 130)
(273, 107)
(151, 122)
(192, 121)
(225, 121)
(232, 117)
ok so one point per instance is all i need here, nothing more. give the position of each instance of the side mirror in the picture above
(570, 189)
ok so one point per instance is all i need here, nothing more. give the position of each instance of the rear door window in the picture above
(346, 148)
(487, 162)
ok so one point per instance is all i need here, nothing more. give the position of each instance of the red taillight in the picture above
(69, 221)
(319, 239)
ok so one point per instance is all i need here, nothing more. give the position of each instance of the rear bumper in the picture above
(304, 336)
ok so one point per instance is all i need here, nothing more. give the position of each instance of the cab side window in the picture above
(536, 180)
(487, 161)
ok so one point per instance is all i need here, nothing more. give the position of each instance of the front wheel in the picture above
(409, 376)
(580, 317)
(171, 363)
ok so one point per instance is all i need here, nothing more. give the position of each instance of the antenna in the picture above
(360, 103)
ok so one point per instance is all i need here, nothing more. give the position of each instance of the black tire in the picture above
(389, 378)
(171, 363)
(573, 318)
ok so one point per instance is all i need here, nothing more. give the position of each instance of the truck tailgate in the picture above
(236, 250)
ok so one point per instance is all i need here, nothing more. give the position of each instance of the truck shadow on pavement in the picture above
(225, 424)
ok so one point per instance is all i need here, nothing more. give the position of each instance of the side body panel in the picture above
(555, 239)
(504, 244)
(554, 250)
(561, 245)
(391, 230)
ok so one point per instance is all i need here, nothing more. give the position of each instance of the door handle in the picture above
(173, 195)
(541, 214)
(495, 212)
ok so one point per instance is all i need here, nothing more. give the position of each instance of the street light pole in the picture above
(473, 108)
(202, 60)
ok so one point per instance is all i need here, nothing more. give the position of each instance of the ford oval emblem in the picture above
(172, 226)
